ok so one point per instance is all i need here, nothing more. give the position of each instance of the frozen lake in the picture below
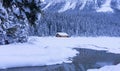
(85, 59)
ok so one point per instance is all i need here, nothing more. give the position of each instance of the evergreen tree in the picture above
(16, 17)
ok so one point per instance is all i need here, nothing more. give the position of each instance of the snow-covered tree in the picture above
(3, 23)
(16, 17)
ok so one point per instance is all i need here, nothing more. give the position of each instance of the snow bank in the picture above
(33, 53)
(110, 44)
(107, 68)
(51, 50)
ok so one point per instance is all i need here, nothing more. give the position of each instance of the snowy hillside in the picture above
(106, 7)
(92, 5)
(80, 17)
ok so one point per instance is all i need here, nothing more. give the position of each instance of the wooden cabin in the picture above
(62, 34)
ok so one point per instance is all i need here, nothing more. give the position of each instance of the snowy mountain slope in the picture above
(106, 7)
(93, 5)
(67, 6)
(47, 5)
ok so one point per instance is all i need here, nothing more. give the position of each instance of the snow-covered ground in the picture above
(107, 68)
(106, 7)
(51, 50)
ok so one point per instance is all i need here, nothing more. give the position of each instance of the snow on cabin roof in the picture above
(62, 33)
